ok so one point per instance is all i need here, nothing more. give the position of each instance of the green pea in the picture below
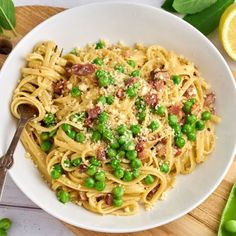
(115, 144)
(103, 81)
(135, 73)
(58, 167)
(103, 117)
(173, 120)
(136, 173)
(136, 163)
(160, 110)
(44, 136)
(132, 154)
(141, 116)
(67, 163)
(192, 100)
(63, 196)
(164, 167)
(117, 202)
(140, 104)
(71, 134)
(76, 162)
(187, 107)
(100, 73)
(192, 136)
(91, 170)
(101, 128)
(131, 92)
(121, 129)
(128, 146)
(122, 139)
(132, 63)
(115, 163)
(127, 176)
(100, 176)
(154, 125)
(49, 119)
(135, 129)
(89, 182)
(149, 179)
(119, 173)
(119, 68)
(187, 128)
(200, 125)
(102, 99)
(80, 137)
(121, 154)
(5, 224)
(111, 152)
(55, 174)
(3, 232)
(66, 127)
(118, 192)
(75, 92)
(191, 119)
(176, 79)
(94, 161)
(110, 99)
(177, 129)
(100, 44)
(98, 61)
(74, 52)
(230, 226)
(111, 80)
(108, 135)
(179, 142)
(78, 117)
(100, 186)
(46, 146)
(96, 136)
(206, 115)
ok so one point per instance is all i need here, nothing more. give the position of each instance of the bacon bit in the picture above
(178, 152)
(109, 199)
(131, 81)
(83, 196)
(151, 99)
(82, 168)
(120, 93)
(157, 85)
(190, 92)
(152, 192)
(81, 69)
(101, 154)
(210, 99)
(140, 146)
(163, 141)
(143, 155)
(162, 151)
(100, 198)
(94, 112)
(160, 75)
(60, 87)
(175, 109)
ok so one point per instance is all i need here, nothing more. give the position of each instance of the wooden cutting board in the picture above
(202, 221)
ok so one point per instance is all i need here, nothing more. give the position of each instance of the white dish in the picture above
(130, 23)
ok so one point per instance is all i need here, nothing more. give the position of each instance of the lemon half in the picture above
(227, 30)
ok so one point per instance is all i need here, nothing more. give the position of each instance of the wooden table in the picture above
(202, 221)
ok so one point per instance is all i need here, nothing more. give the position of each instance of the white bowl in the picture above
(129, 23)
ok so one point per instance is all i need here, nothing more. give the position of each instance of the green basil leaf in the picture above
(167, 5)
(191, 6)
(208, 20)
(7, 15)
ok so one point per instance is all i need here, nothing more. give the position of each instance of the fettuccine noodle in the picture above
(114, 116)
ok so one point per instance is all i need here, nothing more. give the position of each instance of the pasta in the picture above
(116, 124)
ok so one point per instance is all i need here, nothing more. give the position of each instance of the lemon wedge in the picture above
(227, 30)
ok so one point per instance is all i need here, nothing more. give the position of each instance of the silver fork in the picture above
(27, 112)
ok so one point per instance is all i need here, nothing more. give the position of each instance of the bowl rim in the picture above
(146, 227)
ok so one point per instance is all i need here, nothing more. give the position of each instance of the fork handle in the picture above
(3, 172)
(9, 154)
